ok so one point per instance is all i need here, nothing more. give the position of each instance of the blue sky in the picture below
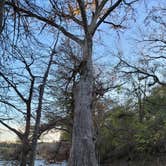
(108, 41)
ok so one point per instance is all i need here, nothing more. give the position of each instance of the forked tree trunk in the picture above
(83, 149)
(38, 112)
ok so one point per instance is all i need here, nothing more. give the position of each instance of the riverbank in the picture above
(37, 163)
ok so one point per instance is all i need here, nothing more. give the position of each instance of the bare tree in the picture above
(67, 75)
(151, 44)
(23, 85)
(88, 16)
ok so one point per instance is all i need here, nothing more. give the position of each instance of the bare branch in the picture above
(115, 26)
(14, 87)
(12, 105)
(83, 15)
(155, 40)
(129, 3)
(19, 134)
(96, 14)
(45, 20)
(147, 74)
(109, 10)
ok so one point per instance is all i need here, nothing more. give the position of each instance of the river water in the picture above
(37, 163)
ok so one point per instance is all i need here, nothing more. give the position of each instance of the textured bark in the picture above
(37, 124)
(35, 139)
(83, 149)
(23, 161)
(24, 154)
(39, 111)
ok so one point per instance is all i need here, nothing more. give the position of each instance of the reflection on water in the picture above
(37, 163)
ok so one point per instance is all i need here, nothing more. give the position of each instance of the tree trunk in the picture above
(38, 112)
(2, 2)
(83, 149)
(35, 139)
(24, 154)
(36, 129)
(140, 109)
